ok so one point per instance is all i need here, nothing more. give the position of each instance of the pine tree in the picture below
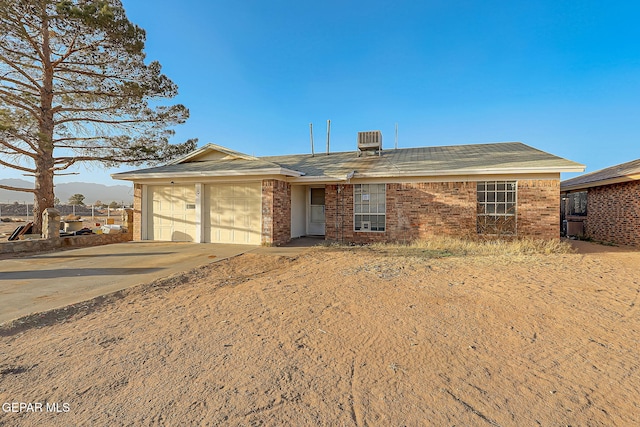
(75, 87)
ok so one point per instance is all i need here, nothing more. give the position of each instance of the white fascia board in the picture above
(189, 155)
(132, 176)
(600, 183)
(211, 147)
(494, 171)
(315, 179)
(428, 174)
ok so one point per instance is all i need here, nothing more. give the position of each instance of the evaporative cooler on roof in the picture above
(370, 141)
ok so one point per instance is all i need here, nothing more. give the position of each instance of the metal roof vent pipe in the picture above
(396, 135)
(328, 134)
(311, 135)
(369, 142)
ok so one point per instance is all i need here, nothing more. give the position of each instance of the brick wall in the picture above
(137, 212)
(422, 210)
(538, 208)
(613, 213)
(414, 211)
(276, 212)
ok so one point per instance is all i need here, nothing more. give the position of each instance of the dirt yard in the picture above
(341, 336)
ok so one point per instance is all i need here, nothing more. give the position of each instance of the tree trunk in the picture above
(44, 195)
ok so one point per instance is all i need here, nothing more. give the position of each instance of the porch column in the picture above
(200, 238)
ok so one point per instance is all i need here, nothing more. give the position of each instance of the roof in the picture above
(494, 158)
(624, 172)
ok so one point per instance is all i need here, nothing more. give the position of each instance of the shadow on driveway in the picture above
(44, 282)
(102, 255)
(75, 272)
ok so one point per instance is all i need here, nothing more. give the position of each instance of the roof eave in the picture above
(132, 176)
(488, 171)
(599, 183)
(211, 147)
(319, 178)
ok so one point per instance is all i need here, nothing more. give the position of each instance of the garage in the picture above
(172, 213)
(232, 213)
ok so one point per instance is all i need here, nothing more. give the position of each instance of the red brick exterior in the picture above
(413, 211)
(422, 210)
(137, 211)
(538, 208)
(613, 213)
(276, 212)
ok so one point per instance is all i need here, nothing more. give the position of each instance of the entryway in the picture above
(316, 225)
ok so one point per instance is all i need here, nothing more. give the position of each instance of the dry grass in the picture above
(438, 247)
(525, 246)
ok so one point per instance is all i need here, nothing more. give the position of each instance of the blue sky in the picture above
(562, 76)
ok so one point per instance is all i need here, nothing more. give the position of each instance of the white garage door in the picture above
(172, 213)
(233, 213)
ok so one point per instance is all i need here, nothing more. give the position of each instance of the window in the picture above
(496, 207)
(369, 207)
(317, 196)
(577, 203)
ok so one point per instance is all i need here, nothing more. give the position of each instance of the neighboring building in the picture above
(604, 205)
(370, 195)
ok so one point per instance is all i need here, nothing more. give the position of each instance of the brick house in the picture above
(369, 195)
(604, 205)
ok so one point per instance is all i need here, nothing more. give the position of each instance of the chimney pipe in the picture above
(311, 135)
(328, 134)
(396, 135)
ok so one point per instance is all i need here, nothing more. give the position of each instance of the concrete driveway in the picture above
(43, 282)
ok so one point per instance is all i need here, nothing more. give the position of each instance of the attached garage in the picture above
(232, 213)
(216, 195)
(172, 213)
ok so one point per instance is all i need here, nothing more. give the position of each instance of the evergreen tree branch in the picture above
(16, 149)
(14, 100)
(19, 83)
(10, 188)
(17, 167)
(19, 70)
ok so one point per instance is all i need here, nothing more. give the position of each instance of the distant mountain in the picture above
(92, 192)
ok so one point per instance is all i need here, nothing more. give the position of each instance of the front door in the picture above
(316, 212)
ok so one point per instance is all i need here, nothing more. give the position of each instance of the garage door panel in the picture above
(172, 216)
(255, 193)
(233, 213)
(225, 191)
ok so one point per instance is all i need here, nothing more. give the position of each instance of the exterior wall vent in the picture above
(370, 141)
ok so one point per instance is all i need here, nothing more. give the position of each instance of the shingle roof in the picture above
(427, 160)
(222, 165)
(619, 173)
(504, 157)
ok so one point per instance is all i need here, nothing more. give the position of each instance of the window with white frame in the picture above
(369, 207)
(496, 207)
